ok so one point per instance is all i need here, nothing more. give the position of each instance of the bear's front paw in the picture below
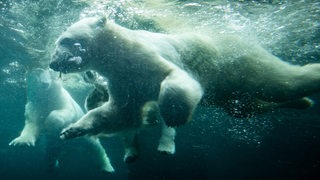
(73, 131)
(23, 141)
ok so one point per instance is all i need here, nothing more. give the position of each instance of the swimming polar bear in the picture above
(177, 72)
(49, 109)
(150, 116)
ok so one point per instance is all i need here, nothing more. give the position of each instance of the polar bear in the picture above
(178, 72)
(49, 109)
(150, 115)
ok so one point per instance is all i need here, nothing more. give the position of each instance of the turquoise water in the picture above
(284, 144)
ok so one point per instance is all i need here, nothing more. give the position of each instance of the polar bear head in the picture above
(38, 82)
(74, 46)
(39, 79)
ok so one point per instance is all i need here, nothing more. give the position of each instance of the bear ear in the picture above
(102, 21)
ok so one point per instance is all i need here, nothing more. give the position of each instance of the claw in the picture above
(71, 132)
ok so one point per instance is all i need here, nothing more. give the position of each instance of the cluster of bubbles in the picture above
(288, 29)
(13, 74)
(239, 131)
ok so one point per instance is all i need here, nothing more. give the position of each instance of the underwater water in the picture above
(282, 144)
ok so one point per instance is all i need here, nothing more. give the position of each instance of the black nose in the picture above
(54, 66)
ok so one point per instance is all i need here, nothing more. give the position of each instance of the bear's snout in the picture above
(55, 65)
(59, 59)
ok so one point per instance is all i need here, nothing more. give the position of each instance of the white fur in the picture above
(177, 71)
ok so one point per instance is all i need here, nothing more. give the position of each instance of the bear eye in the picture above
(78, 47)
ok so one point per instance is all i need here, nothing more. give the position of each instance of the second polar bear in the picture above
(49, 109)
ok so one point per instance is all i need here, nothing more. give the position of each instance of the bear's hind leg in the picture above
(302, 103)
(131, 146)
(53, 149)
(100, 155)
(150, 114)
(178, 98)
(272, 80)
(166, 142)
(300, 82)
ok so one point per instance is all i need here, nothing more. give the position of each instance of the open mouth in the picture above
(66, 65)
(56, 66)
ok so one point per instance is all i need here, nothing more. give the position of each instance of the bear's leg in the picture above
(31, 130)
(178, 98)
(79, 128)
(150, 113)
(166, 142)
(53, 149)
(245, 109)
(53, 124)
(99, 153)
(305, 81)
(28, 135)
(302, 103)
(103, 119)
(131, 146)
(272, 80)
